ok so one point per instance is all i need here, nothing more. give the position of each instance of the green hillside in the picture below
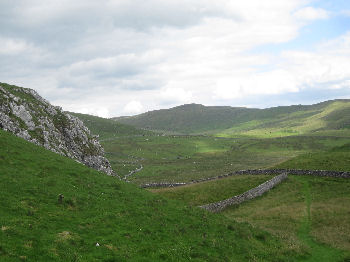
(107, 128)
(232, 122)
(129, 224)
(191, 118)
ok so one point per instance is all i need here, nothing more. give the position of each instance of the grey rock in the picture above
(26, 114)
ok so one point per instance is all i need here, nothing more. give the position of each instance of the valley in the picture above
(54, 208)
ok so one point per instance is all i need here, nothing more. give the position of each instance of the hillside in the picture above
(191, 118)
(103, 219)
(230, 121)
(107, 128)
(26, 114)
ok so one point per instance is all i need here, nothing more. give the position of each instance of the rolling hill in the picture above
(107, 128)
(100, 218)
(333, 115)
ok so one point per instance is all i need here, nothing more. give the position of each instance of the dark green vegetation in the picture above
(330, 116)
(192, 118)
(129, 224)
(109, 129)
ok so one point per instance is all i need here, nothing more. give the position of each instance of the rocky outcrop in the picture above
(26, 114)
(250, 194)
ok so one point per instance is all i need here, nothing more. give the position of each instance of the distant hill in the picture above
(107, 128)
(190, 118)
(233, 121)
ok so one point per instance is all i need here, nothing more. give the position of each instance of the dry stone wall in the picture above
(250, 194)
(26, 114)
(326, 173)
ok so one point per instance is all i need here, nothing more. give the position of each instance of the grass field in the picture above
(212, 191)
(129, 224)
(172, 158)
(308, 213)
(184, 158)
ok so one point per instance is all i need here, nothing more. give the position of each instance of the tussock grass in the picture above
(308, 221)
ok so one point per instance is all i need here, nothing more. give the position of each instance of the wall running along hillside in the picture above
(26, 114)
(250, 194)
(299, 172)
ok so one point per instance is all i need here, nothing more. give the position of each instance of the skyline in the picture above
(114, 58)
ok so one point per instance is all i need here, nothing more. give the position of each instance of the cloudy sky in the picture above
(123, 57)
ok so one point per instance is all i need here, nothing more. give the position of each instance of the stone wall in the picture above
(326, 173)
(250, 194)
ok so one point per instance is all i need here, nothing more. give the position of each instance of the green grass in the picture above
(330, 116)
(130, 224)
(178, 158)
(337, 158)
(319, 252)
(212, 191)
(109, 129)
(310, 214)
(174, 158)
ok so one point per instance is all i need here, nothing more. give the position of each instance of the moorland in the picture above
(102, 218)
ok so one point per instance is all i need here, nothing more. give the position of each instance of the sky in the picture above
(124, 57)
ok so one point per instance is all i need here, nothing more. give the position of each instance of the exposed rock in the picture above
(27, 115)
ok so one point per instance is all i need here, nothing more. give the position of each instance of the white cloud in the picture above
(133, 107)
(267, 83)
(310, 13)
(175, 95)
(94, 56)
(345, 12)
(9, 46)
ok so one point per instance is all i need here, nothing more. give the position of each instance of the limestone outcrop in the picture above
(26, 114)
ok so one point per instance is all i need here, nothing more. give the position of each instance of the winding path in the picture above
(132, 172)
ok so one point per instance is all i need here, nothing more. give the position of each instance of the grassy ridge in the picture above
(192, 118)
(233, 122)
(326, 116)
(129, 224)
(107, 128)
(337, 158)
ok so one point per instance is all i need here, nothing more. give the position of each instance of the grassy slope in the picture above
(192, 118)
(304, 212)
(337, 158)
(229, 121)
(107, 128)
(327, 118)
(130, 224)
(212, 191)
